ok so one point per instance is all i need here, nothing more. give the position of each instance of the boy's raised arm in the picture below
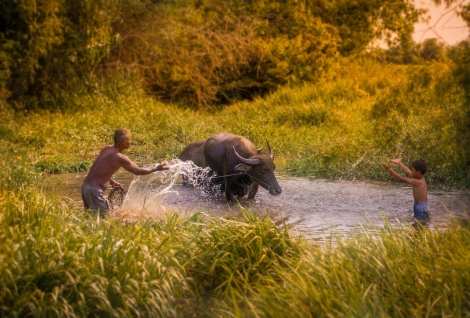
(386, 166)
(402, 166)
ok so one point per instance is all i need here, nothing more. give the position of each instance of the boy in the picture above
(106, 164)
(420, 189)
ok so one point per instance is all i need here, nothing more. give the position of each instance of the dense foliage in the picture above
(460, 54)
(49, 46)
(198, 52)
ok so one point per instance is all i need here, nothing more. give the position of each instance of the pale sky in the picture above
(444, 25)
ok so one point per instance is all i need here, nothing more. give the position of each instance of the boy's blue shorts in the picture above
(421, 210)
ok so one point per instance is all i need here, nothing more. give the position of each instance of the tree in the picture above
(361, 22)
(47, 45)
(460, 54)
(206, 52)
(201, 52)
(29, 30)
(432, 50)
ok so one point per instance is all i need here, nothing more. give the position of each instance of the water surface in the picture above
(311, 207)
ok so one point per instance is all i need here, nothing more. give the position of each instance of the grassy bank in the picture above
(55, 261)
(339, 128)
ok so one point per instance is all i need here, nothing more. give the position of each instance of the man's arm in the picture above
(132, 167)
(402, 166)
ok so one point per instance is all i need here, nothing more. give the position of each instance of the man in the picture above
(106, 164)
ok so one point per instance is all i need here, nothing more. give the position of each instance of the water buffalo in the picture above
(192, 152)
(239, 166)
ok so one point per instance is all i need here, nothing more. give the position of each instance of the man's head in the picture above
(420, 165)
(121, 135)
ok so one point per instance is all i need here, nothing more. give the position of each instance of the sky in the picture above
(444, 25)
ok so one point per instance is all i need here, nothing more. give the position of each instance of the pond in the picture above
(310, 207)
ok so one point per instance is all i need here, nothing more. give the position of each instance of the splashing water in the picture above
(143, 199)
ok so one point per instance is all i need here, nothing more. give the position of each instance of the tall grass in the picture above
(59, 262)
(398, 273)
(340, 128)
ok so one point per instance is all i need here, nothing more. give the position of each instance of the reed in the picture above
(340, 128)
(394, 272)
(60, 262)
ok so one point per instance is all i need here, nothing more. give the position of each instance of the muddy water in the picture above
(310, 207)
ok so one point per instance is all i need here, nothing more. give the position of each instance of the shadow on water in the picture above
(310, 207)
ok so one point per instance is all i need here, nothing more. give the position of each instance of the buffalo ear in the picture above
(243, 167)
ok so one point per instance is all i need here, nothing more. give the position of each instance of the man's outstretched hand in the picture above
(161, 167)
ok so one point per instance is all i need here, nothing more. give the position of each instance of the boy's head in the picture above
(420, 165)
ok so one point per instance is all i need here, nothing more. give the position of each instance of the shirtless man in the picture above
(106, 164)
(420, 189)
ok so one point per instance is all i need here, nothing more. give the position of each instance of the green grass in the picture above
(341, 128)
(57, 261)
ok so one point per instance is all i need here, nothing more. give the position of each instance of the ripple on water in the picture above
(308, 206)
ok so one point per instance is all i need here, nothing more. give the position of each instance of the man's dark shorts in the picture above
(94, 200)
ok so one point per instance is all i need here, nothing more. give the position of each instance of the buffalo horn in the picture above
(250, 162)
(271, 152)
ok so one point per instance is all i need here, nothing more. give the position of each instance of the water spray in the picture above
(143, 198)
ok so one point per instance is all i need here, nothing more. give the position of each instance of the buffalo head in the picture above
(260, 167)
